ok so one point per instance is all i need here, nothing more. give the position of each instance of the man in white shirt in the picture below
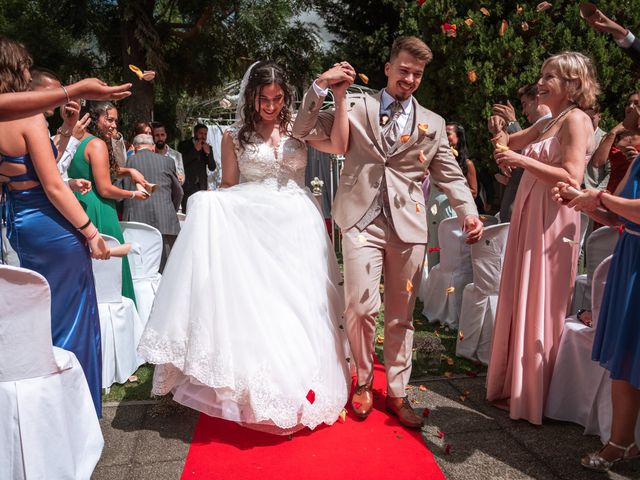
(163, 148)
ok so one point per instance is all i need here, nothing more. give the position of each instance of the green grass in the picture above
(138, 390)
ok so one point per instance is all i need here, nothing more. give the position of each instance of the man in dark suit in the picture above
(621, 35)
(197, 155)
(160, 209)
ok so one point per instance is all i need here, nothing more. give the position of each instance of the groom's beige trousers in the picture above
(367, 255)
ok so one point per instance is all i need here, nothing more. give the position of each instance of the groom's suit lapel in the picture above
(372, 104)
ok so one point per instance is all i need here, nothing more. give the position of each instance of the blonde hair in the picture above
(579, 74)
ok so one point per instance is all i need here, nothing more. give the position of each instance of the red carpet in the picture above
(377, 448)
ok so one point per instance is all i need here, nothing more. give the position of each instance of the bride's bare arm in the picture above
(230, 170)
(338, 141)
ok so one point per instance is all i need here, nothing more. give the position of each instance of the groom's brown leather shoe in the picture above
(362, 400)
(402, 409)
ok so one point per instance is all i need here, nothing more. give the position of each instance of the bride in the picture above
(247, 321)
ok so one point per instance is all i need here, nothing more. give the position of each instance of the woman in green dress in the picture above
(94, 160)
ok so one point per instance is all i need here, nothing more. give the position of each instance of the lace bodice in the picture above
(282, 166)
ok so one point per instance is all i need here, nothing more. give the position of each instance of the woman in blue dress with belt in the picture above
(46, 225)
(617, 340)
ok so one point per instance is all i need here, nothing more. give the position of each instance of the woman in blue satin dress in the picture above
(616, 345)
(46, 225)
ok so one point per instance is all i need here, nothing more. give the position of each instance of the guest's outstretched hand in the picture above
(587, 200)
(474, 228)
(99, 248)
(96, 89)
(601, 23)
(506, 111)
(80, 185)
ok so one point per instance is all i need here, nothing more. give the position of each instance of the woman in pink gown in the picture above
(542, 248)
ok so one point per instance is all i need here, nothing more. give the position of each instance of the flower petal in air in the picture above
(148, 75)
(454, 151)
(449, 361)
(485, 12)
(405, 138)
(136, 70)
(461, 335)
(519, 9)
(524, 26)
(451, 289)
(380, 339)
(423, 128)
(472, 76)
(422, 388)
(409, 286)
(418, 209)
(542, 6)
(469, 22)
(364, 78)
(503, 27)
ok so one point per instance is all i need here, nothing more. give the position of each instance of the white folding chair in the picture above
(438, 209)
(580, 389)
(120, 324)
(600, 245)
(48, 427)
(144, 260)
(480, 298)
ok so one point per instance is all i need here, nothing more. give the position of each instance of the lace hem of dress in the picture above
(261, 403)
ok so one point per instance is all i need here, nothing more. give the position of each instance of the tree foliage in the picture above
(501, 64)
(195, 46)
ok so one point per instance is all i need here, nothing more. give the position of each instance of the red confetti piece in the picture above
(447, 448)
(311, 396)
(449, 29)
(426, 412)
(440, 434)
(421, 2)
(357, 404)
(434, 249)
(422, 388)
(472, 374)
(466, 393)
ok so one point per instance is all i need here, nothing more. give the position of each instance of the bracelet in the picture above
(84, 226)
(93, 235)
(65, 93)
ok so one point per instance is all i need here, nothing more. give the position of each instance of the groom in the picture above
(380, 209)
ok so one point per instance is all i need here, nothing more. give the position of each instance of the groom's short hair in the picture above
(412, 45)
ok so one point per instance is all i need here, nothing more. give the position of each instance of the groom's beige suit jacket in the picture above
(367, 164)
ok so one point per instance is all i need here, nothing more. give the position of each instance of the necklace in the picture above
(556, 119)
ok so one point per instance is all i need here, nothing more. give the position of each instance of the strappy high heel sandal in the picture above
(594, 461)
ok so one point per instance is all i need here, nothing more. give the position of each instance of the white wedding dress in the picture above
(247, 321)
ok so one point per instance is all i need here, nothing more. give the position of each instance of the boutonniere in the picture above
(384, 119)
(423, 128)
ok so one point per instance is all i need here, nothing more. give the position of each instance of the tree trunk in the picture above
(136, 19)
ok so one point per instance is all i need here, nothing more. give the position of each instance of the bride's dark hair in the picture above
(262, 74)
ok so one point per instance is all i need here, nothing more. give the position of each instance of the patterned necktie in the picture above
(391, 131)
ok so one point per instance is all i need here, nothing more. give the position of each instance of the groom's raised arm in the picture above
(311, 123)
